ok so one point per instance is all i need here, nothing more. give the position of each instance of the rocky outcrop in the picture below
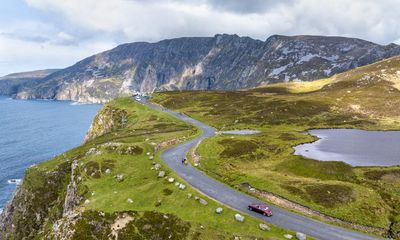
(107, 119)
(37, 201)
(71, 197)
(225, 62)
(12, 84)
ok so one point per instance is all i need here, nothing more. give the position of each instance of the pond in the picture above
(241, 132)
(355, 147)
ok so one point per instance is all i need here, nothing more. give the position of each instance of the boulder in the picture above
(196, 198)
(202, 202)
(151, 157)
(148, 153)
(161, 174)
(301, 236)
(108, 171)
(177, 184)
(181, 186)
(239, 217)
(189, 195)
(171, 180)
(288, 236)
(218, 210)
(264, 227)
(120, 177)
(157, 166)
(87, 201)
(130, 200)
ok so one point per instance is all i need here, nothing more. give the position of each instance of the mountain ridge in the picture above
(222, 62)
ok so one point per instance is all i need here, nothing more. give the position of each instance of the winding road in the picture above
(239, 201)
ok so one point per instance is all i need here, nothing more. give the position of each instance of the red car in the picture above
(260, 208)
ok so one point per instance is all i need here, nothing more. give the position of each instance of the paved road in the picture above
(239, 201)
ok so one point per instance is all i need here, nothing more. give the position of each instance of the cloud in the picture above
(153, 20)
(74, 28)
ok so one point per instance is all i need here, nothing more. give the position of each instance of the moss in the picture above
(167, 191)
(324, 170)
(93, 225)
(330, 195)
(379, 174)
(237, 148)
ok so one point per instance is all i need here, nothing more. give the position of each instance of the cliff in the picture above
(225, 62)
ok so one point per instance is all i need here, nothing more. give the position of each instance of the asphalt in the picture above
(238, 200)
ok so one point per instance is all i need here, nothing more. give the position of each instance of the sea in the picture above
(34, 131)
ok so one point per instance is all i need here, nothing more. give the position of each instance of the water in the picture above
(34, 131)
(355, 147)
(241, 132)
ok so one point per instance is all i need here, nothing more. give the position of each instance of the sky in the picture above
(40, 34)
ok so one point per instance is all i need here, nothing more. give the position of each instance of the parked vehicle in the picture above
(260, 208)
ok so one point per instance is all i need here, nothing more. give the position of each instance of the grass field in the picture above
(150, 203)
(364, 98)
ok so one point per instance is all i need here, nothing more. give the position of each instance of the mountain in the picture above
(11, 84)
(226, 62)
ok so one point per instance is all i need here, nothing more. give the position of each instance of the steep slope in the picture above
(221, 62)
(10, 84)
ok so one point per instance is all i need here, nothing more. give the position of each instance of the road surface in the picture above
(238, 200)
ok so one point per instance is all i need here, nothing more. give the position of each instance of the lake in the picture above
(34, 131)
(355, 147)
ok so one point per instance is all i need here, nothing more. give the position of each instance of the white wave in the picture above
(14, 181)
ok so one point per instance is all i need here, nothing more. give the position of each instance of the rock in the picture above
(202, 202)
(301, 236)
(288, 236)
(196, 198)
(148, 153)
(239, 217)
(218, 210)
(130, 200)
(151, 157)
(264, 227)
(236, 238)
(87, 201)
(171, 180)
(189, 195)
(120, 177)
(196, 164)
(157, 166)
(181, 186)
(161, 174)
(177, 184)
(108, 171)
(252, 189)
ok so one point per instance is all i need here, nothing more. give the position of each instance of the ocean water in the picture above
(34, 131)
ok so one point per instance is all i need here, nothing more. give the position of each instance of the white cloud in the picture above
(79, 25)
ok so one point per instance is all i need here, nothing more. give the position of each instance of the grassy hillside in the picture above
(112, 184)
(366, 98)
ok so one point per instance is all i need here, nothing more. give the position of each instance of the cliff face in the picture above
(12, 83)
(37, 202)
(221, 62)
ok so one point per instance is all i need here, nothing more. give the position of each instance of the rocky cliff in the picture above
(12, 83)
(221, 62)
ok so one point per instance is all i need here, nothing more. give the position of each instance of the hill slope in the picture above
(367, 97)
(11, 84)
(222, 62)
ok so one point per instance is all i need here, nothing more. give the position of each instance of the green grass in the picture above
(126, 150)
(363, 98)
